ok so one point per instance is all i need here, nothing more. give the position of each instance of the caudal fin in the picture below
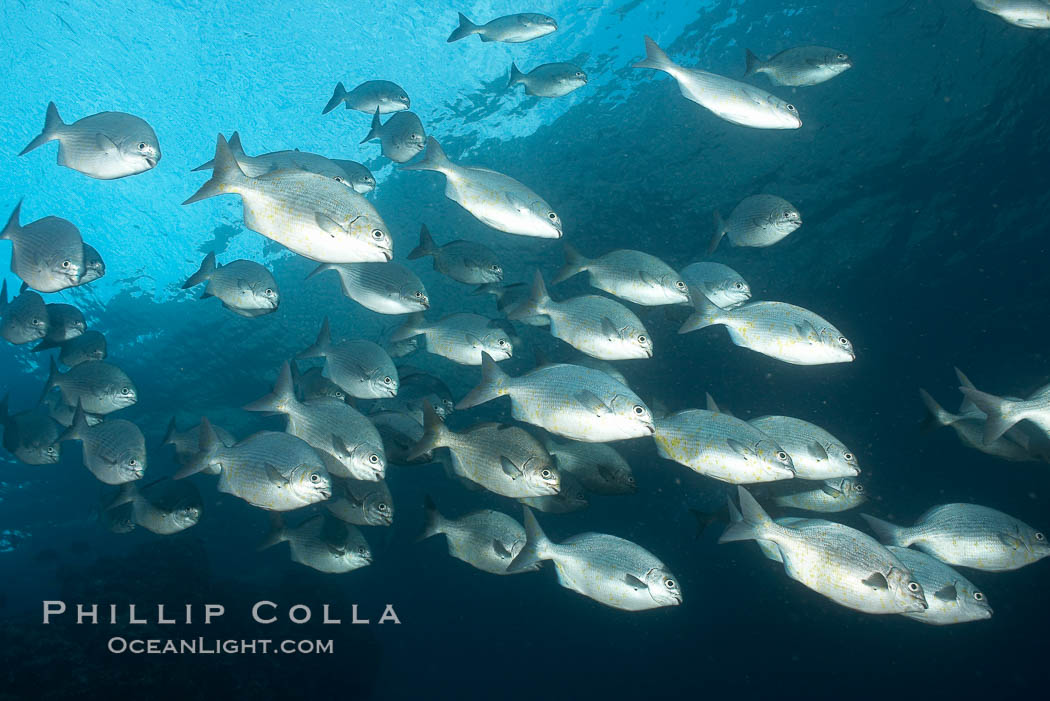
(426, 246)
(1001, 413)
(574, 264)
(276, 534)
(655, 57)
(720, 231)
(936, 415)
(754, 63)
(434, 433)
(755, 524)
(235, 147)
(52, 123)
(207, 446)
(967, 406)
(707, 312)
(535, 305)
(53, 374)
(169, 435)
(226, 174)
(413, 326)
(464, 30)
(373, 133)
(322, 345)
(203, 274)
(79, 428)
(281, 399)
(537, 545)
(433, 521)
(493, 384)
(886, 532)
(433, 159)
(338, 95)
(516, 76)
(13, 225)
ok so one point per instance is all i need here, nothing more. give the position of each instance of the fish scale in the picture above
(363, 503)
(385, 288)
(308, 543)
(578, 322)
(472, 538)
(962, 602)
(98, 385)
(245, 472)
(48, 254)
(803, 441)
(318, 420)
(113, 441)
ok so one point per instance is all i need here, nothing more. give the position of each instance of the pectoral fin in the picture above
(474, 341)
(948, 593)
(275, 477)
(1011, 541)
(501, 551)
(817, 451)
(739, 448)
(104, 143)
(606, 473)
(634, 582)
(592, 403)
(609, 329)
(329, 225)
(509, 468)
(877, 581)
(830, 491)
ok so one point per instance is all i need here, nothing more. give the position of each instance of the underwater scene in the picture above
(504, 350)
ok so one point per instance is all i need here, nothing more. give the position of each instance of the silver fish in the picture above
(310, 214)
(271, 470)
(31, 436)
(828, 496)
(385, 288)
(495, 199)
(548, 80)
(782, 331)
(968, 535)
(90, 345)
(47, 254)
(758, 221)
(571, 497)
(970, 430)
(64, 323)
(358, 176)
(418, 386)
(842, 563)
(598, 467)
(505, 460)
(106, 145)
(94, 266)
(63, 413)
(24, 319)
(720, 284)
(512, 29)
(401, 139)
(462, 338)
(400, 433)
(312, 384)
(361, 368)
(567, 400)
(952, 597)
(1030, 14)
(325, 544)
(370, 96)
(632, 275)
(815, 453)
(733, 101)
(114, 450)
(800, 66)
(243, 286)
(362, 503)
(117, 520)
(345, 440)
(610, 570)
(163, 507)
(187, 443)
(598, 326)
(488, 540)
(101, 387)
(463, 261)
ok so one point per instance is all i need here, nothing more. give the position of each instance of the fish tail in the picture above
(413, 326)
(655, 57)
(52, 375)
(338, 95)
(574, 264)
(936, 415)
(235, 147)
(537, 545)
(754, 63)
(536, 304)
(373, 133)
(276, 534)
(125, 495)
(516, 76)
(208, 445)
(45, 345)
(886, 532)
(13, 226)
(319, 269)
(967, 405)
(464, 30)
(493, 384)
(434, 433)
(322, 345)
(426, 246)
(720, 231)
(706, 314)
(281, 399)
(203, 273)
(78, 429)
(169, 434)
(52, 124)
(1001, 413)
(226, 174)
(754, 524)
(433, 521)
(434, 158)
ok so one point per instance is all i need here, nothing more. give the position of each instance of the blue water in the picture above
(921, 177)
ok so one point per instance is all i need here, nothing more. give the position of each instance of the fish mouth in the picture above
(651, 428)
(152, 161)
(388, 255)
(325, 493)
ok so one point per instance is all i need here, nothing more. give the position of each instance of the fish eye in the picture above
(848, 456)
(418, 293)
(738, 285)
(642, 339)
(387, 380)
(679, 284)
(65, 264)
(373, 458)
(1039, 536)
(913, 586)
(339, 178)
(125, 391)
(841, 57)
(381, 506)
(35, 321)
(502, 343)
(978, 596)
(639, 409)
(545, 474)
(269, 291)
(315, 478)
(552, 215)
(132, 462)
(495, 268)
(362, 550)
(403, 97)
(51, 449)
(781, 455)
(669, 583)
(142, 146)
(378, 234)
(791, 108)
(858, 488)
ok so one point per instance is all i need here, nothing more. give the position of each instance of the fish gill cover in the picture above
(897, 150)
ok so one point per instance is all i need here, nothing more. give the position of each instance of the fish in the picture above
(598, 326)
(47, 254)
(349, 173)
(370, 96)
(94, 266)
(362, 503)
(384, 288)
(244, 287)
(400, 433)
(64, 323)
(605, 568)
(162, 507)
(312, 384)
(24, 319)
(271, 470)
(114, 450)
(847, 566)
(31, 436)
(952, 598)
(187, 443)
(829, 496)
(597, 466)
(1002, 413)
(721, 446)
(632, 275)
(800, 66)
(731, 100)
(720, 284)
(418, 386)
(463, 261)
(779, 330)
(567, 400)
(970, 429)
(1030, 14)
(401, 139)
(758, 221)
(503, 459)
(117, 520)
(968, 535)
(100, 386)
(63, 413)
(571, 497)
(325, 544)
(487, 540)
(106, 146)
(549, 79)
(309, 214)
(90, 345)
(815, 453)
(347, 442)
(511, 29)
(361, 368)
(462, 338)
(495, 199)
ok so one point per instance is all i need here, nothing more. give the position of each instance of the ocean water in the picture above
(920, 175)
